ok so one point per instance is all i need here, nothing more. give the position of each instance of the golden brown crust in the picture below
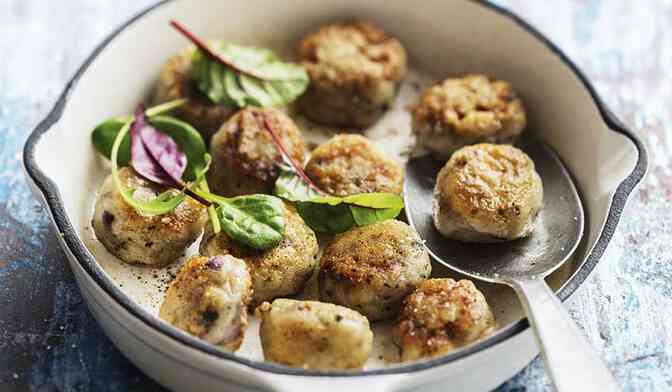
(175, 82)
(490, 189)
(440, 316)
(371, 268)
(355, 69)
(244, 157)
(314, 335)
(280, 271)
(467, 110)
(208, 298)
(352, 164)
(144, 239)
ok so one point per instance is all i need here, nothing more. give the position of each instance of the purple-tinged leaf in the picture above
(165, 152)
(155, 155)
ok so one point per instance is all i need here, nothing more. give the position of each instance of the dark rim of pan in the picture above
(88, 263)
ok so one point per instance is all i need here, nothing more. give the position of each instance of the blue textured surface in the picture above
(49, 341)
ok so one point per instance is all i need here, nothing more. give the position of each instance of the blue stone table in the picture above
(50, 342)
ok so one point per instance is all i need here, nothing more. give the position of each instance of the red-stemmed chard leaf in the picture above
(288, 158)
(203, 46)
(156, 156)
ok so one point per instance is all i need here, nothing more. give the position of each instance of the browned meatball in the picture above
(487, 193)
(209, 299)
(314, 335)
(351, 164)
(468, 110)
(440, 316)
(175, 82)
(355, 70)
(143, 239)
(276, 272)
(244, 157)
(372, 268)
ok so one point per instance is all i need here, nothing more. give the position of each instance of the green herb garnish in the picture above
(239, 76)
(333, 214)
(170, 152)
(162, 204)
(329, 214)
(257, 221)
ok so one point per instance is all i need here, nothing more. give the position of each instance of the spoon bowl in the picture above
(558, 230)
(522, 264)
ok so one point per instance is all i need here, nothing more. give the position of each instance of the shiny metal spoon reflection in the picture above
(522, 264)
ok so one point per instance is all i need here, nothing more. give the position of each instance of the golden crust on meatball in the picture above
(372, 268)
(208, 298)
(487, 192)
(244, 158)
(136, 238)
(314, 335)
(276, 272)
(351, 164)
(354, 69)
(440, 316)
(467, 110)
(176, 82)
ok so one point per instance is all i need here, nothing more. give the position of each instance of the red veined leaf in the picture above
(287, 158)
(165, 152)
(155, 155)
(200, 44)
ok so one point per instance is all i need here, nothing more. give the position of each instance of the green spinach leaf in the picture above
(258, 76)
(377, 200)
(365, 216)
(332, 214)
(103, 137)
(325, 218)
(257, 221)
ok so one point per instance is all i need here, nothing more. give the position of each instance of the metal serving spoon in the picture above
(523, 264)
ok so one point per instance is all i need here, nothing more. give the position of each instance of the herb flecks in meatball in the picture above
(355, 70)
(351, 164)
(314, 335)
(468, 110)
(210, 303)
(135, 238)
(440, 316)
(372, 268)
(487, 193)
(276, 272)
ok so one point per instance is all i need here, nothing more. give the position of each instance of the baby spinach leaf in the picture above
(103, 137)
(325, 218)
(377, 200)
(258, 80)
(332, 214)
(257, 221)
(365, 216)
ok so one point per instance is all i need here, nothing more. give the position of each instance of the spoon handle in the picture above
(570, 360)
